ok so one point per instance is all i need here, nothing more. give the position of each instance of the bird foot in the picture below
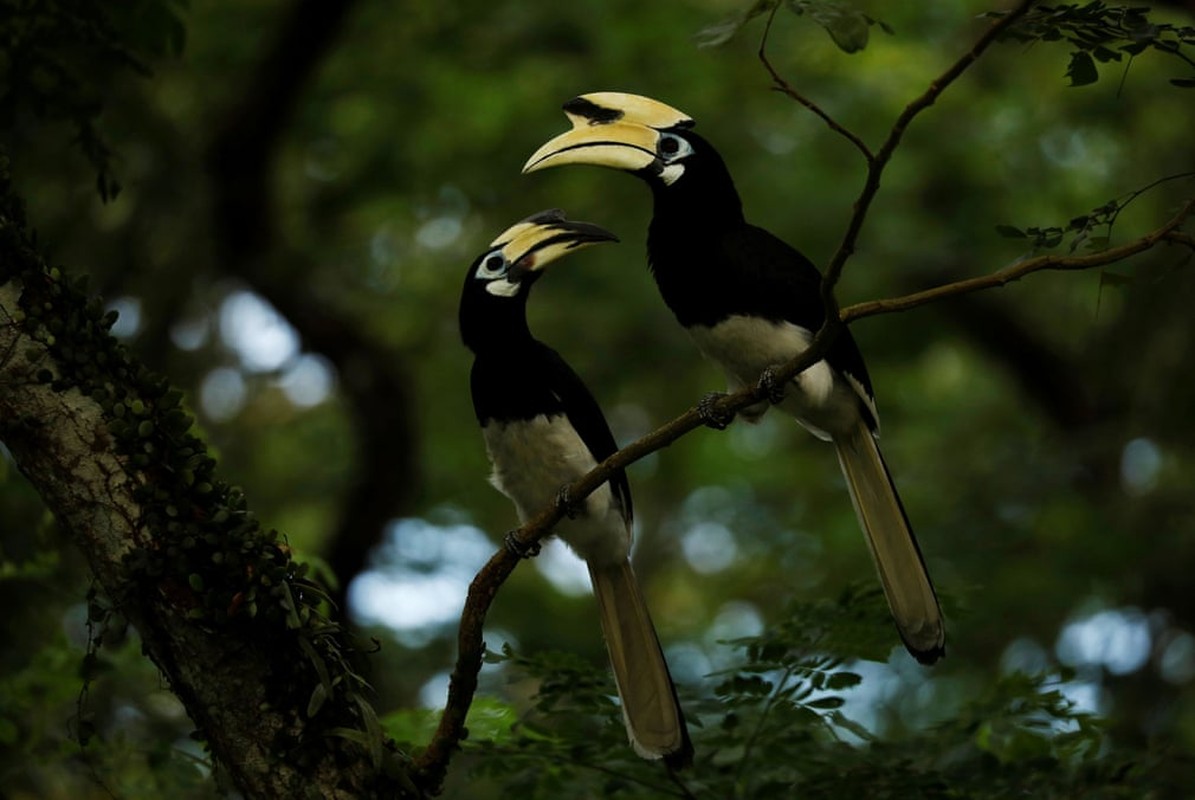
(564, 503)
(710, 414)
(772, 386)
(520, 548)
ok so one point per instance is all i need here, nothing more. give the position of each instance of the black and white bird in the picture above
(543, 430)
(751, 302)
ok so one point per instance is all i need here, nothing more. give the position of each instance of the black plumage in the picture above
(543, 429)
(753, 303)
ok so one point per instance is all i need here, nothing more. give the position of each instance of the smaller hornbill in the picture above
(751, 302)
(543, 430)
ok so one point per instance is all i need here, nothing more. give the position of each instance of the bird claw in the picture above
(710, 415)
(771, 385)
(564, 503)
(520, 548)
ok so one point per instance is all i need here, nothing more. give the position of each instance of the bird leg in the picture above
(772, 386)
(520, 548)
(710, 414)
(564, 503)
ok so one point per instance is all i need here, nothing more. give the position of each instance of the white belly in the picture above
(821, 399)
(532, 459)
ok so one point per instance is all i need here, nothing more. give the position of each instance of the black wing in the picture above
(788, 286)
(532, 379)
(588, 420)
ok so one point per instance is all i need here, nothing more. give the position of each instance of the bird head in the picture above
(629, 132)
(514, 259)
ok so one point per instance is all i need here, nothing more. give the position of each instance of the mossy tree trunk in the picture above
(222, 610)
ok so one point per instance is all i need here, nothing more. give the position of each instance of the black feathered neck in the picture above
(490, 323)
(703, 195)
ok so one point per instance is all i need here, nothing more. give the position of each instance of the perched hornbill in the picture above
(543, 430)
(751, 303)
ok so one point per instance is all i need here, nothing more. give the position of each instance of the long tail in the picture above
(655, 723)
(893, 547)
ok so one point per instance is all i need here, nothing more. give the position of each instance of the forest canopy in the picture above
(232, 241)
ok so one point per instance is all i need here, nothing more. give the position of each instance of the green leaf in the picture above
(826, 702)
(373, 730)
(843, 680)
(1082, 69)
(318, 695)
(846, 723)
(847, 26)
(722, 32)
(1011, 232)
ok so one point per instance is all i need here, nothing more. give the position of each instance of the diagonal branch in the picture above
(1020, 269)
(876, 165)
(878, 161)
(432, 765)
(781, 85)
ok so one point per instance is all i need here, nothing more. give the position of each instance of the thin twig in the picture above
(433, 763)
(1020, 269)
(781, 85)
(1181, 238)
(759, 725)
(876, 166)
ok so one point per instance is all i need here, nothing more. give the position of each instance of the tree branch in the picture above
(876, 165)
(1020, 269)
(781, 85)
(431, 766)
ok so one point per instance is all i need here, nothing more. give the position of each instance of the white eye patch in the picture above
(671, 150)
(492, 266)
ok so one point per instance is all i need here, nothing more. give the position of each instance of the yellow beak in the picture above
(621, 145)
(532, 244)
(610, 129)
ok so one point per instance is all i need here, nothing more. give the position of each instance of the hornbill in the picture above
(751, 303)
(542, 430)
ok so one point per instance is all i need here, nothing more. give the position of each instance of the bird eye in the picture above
(491, 267)
(673, 147)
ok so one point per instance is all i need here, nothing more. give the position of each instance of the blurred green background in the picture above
(1041, 434)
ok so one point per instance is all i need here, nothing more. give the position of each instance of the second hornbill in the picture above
(752, 302)
(542, 431)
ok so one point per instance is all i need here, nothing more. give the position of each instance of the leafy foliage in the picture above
(849, 27)
(774, 728)
(1081, 229)
(51, 57)
(1104, 34)
(214, 562)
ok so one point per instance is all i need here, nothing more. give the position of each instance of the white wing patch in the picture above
(822, 399)
(532, 459)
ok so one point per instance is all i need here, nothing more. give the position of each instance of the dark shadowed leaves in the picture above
(1081, 69)
(848, 27)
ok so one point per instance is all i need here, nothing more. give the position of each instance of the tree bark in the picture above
(221, 608)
